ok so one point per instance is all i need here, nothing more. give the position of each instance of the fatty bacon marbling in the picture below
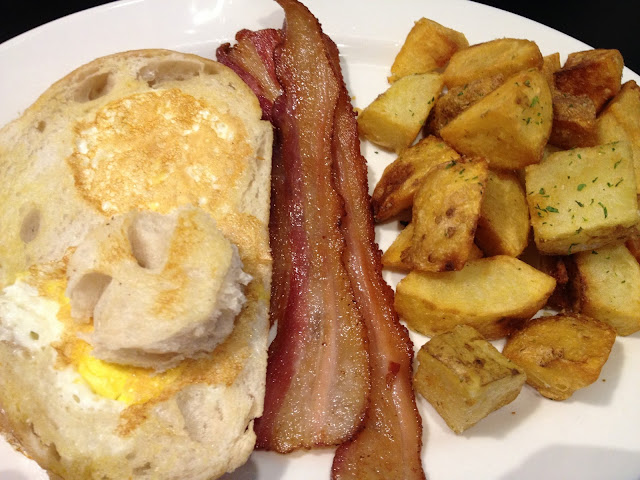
(325, 257)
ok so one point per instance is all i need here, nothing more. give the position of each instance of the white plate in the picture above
(594, 435)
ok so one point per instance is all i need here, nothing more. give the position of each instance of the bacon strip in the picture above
(390, 444)
(252, 59)
(316, 393)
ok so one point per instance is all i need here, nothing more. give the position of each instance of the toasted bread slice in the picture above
(144, 133)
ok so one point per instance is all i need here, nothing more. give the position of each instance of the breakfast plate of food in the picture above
(138, 137)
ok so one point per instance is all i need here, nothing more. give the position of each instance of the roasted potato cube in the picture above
(550, 65)
(457, 99)
(561, 354)
(428, 46)
(504, 55)
(620, 120)
(465, 378)
(494, 295)
(594, 73)
(574, 121)
(582, 199)
(606, 286)
(392, 257)
(445, 214)
(396, 188)
(394, 119)
(509, 127)
(503, 226)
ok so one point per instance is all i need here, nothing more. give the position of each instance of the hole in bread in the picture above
(169, 70)
(92, 87)
(41, 125)
(148, 236)
(30, 225)
(88, 291)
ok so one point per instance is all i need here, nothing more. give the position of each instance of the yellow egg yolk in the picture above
(131, 385)
(127, 384)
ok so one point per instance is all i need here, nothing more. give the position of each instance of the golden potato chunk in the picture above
(561, 354)
(582, 199)
(465, 378)
(400, 180)
(428, 46)
(494, 295)
(503, 226)
(394, 119)
(392, 257)
(504, 55)
(606, 286)
(550, 65)
(457, 99)
(594, 73)
(574, 121)
(620, 120)
(445, 214)
(509, 127)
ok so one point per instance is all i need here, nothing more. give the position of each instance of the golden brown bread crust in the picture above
(60, 154)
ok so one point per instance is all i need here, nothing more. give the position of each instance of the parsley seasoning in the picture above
(581, 186)
(534, 101)
(604, 209)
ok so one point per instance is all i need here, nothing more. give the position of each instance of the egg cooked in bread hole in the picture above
(135, 269)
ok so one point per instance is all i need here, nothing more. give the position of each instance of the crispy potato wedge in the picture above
(428, 46)
(457, 99)
(495, 295)
(582, 199)
(594, 73)
(465, 378)
(504, 55)
(445, 214)
(392, 257)
(509, 127)
(396, 188)
(503, 226)
(620, 120)
(550, 65)
(606, 286)
(574, 121)
(562, 353)
(394, 119)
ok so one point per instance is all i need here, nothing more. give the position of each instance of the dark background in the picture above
(601, 24)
